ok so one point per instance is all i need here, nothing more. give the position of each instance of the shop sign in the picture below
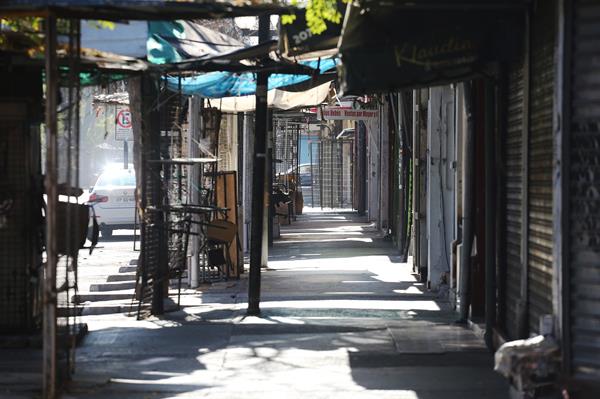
(347, 113)
(296, 38)
(389, 49)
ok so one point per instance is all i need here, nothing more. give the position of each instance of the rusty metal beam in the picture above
(49, 322)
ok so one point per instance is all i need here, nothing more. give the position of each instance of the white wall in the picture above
(441, 182)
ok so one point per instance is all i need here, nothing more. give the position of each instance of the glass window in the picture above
(128, 179)
(106, 180)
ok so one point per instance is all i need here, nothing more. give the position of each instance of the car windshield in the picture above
(109, 179)
(302, 169)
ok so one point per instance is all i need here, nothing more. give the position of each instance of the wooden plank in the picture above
(226, 197)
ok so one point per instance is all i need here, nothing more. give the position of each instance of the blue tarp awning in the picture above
(176, 41)
(227, 84)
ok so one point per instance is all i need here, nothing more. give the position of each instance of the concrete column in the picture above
(373, 135)
(384, 166)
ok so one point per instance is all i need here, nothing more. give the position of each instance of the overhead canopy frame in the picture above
(118, 10)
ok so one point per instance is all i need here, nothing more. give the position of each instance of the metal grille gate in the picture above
(332, 173)
(286, 137)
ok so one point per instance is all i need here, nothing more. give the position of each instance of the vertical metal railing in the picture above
(332, 167)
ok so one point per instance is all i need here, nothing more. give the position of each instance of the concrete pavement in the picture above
(341, 318)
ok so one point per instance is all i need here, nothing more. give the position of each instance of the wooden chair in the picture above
(219, 237)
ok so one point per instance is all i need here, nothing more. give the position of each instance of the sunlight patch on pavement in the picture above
(320, 240)
(266, 319)
(175, 381)
(376, 264)
(154, 360)
(287, 320)
(410, 290)
(324, 233)
(352, 304)
(340, 229)
(349, 293)
(162, 373)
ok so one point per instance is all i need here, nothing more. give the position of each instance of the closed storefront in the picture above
(583, 286)
(539, 185)
(514, 161)
(526, 267)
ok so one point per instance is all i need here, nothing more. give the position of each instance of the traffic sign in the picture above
(123, 130)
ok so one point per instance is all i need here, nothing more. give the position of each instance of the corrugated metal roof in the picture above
(121, 98)
(118, 10)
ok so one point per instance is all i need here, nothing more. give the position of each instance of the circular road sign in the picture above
(124, 119)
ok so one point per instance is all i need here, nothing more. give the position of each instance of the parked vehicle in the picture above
(305, 173)
(113, 200)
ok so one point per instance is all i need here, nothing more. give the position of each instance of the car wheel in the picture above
(106, 232)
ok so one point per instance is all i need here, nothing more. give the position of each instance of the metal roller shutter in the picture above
(539, 253)
(513, 200)
(584, 192)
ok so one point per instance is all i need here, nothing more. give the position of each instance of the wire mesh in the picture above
(73, 217)
(19, 248)
(286, 152)
(332, 163)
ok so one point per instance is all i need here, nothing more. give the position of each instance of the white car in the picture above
(113, 199)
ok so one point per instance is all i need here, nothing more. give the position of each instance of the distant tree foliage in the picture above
(318, 13)
(27, 33)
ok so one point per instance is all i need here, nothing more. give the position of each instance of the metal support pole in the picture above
(194, 183)
(312, 179)
(258, 178)
(321, 172)
(49, 322)
(270, 168)
(331, 177)
(416, 178)
(490, 215)
(125, 154)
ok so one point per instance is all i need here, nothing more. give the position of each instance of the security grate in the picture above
(18, 271)
(332, 173)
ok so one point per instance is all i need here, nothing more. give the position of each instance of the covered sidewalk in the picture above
(341, 318)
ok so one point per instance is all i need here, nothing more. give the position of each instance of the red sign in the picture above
(123, 129)
(124, 118)
(345, 113)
